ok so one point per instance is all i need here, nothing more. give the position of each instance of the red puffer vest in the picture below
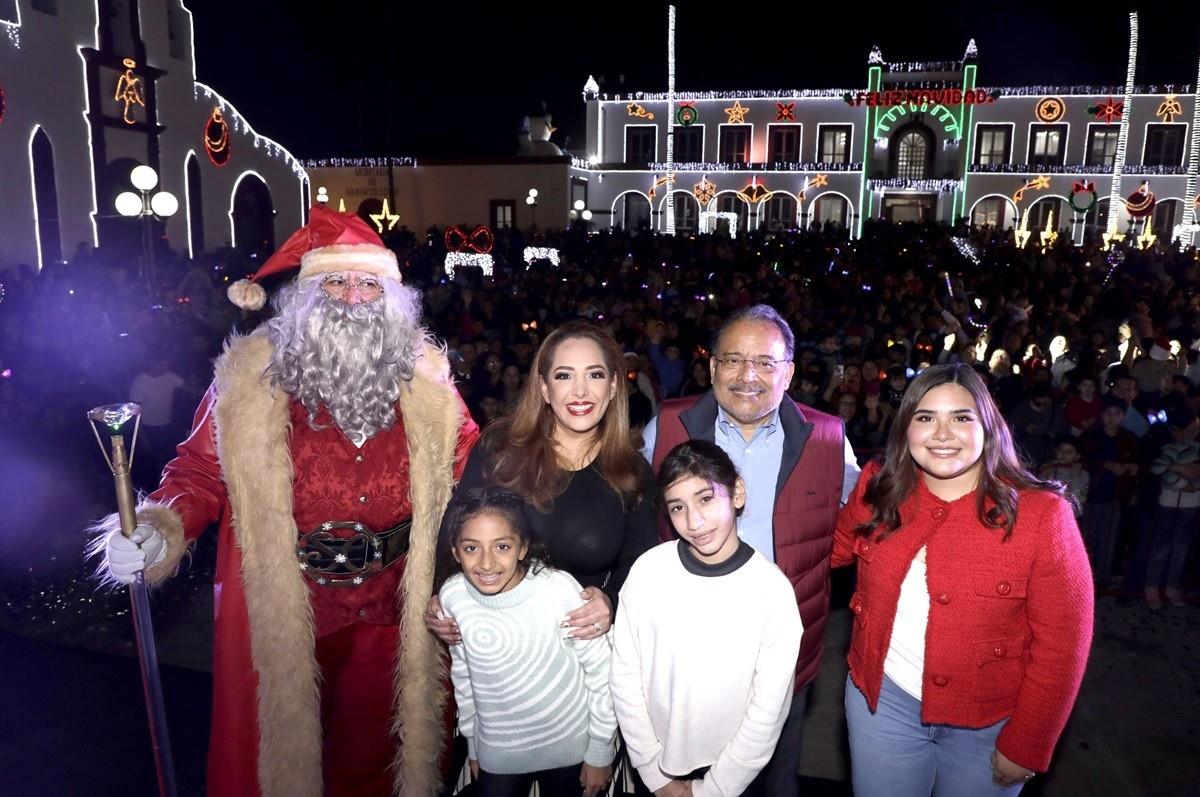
(807, 496)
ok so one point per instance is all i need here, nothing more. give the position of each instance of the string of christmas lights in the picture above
(814, 94)
(905, 184)
(1092, 169)
(533, 253)
(240, 125)
(476, 259)
(756, 167)
(366, 163)
(1123, 135)
(670, 221)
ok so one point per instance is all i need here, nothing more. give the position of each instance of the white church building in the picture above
(90, 89)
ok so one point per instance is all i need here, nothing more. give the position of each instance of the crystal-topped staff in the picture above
(113, 421)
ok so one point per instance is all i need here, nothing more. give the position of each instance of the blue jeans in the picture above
(893, 754)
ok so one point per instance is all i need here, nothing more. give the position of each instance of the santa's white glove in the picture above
(128, 556)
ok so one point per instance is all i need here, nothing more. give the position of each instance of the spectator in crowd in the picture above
(1178, 467)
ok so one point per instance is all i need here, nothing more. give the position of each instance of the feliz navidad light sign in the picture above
(874, 99)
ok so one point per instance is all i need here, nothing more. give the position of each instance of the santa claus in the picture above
(326, 448)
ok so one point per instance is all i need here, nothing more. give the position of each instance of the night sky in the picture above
(449, 80)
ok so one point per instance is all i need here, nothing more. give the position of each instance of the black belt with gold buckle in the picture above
(347, 561)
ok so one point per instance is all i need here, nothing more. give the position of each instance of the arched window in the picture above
(912, 156)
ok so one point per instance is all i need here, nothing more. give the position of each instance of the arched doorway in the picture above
(779, 212)
(252, 214)
(195, 205)
(631, 211)
(45, 198)
(831, 209)
(687, 213)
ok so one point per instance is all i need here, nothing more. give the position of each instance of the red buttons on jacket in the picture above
(1003, 588)
(943, 598)
(940, 680)
(864, 548)
(358, 458)
(362, 499)
(939, 513)
(999, 651)
(856, 607)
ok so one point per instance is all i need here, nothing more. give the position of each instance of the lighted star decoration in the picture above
(736, 113)
(785, 112)
(1049, 109)
(704, 191)
(384, 220)
(1049, 235)
(1147, 238)
(1036, 184)
(819, 181)
(1107, 110)
(754, 193)
(636, 110)
(1169, 108)
(129, 89)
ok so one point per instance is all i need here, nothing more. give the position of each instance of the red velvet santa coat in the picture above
(1010, 622)
(236, 468)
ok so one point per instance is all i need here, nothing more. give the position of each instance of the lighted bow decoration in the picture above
(216, 138)
(704, 191)
(1036, 184)
(1141, 202)
(480, 240)
(754, 193)
(1169, 108)
(1107, 110)
(636, 110)
(1080, 188)
(785, 112)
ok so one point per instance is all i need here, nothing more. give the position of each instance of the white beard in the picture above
(351, 359)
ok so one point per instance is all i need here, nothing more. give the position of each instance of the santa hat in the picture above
(331, 241)
(1161, 348)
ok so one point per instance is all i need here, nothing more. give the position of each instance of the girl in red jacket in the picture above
(973, 613)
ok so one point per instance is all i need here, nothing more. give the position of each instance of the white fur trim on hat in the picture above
(1159, 353)
(372, 259)
(247, 295)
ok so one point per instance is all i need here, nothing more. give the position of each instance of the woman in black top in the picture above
(567, 449)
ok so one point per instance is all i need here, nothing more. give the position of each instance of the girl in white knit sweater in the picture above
(533, 704)
(705, 641)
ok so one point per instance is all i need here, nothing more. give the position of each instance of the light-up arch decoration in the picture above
(662, 207)
(1012, 206)
(849, 206)
(887, 121)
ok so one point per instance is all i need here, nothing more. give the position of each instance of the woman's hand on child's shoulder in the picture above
(594, 779)
(439, 625)
(676, 788)
(592, 619)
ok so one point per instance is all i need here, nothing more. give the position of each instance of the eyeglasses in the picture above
(733, 363)
(339, 287)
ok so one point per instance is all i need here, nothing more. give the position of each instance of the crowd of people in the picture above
(998, 399)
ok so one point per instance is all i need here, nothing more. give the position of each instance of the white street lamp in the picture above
(160, 205)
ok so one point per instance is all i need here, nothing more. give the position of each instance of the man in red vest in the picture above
(798, 470)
